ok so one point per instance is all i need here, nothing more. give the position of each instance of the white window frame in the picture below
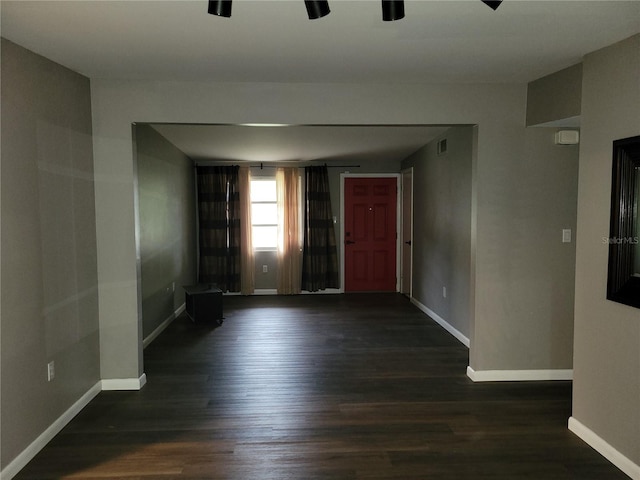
(253, 224)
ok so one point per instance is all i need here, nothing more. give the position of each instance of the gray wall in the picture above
(555, 97)
(606, 392)
(167, 226)
(49, 302)
(498, 110)
(442, 227)
(537, 190)
(544, 179)
(547, 182)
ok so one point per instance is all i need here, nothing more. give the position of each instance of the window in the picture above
(264, 214)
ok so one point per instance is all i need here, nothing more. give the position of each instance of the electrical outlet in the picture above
(51, 371)
(265, 268)
(444, 292)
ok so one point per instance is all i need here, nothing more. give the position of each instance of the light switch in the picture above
(566, 235)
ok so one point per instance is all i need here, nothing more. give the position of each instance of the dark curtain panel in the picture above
(219, 222)
(320, 255)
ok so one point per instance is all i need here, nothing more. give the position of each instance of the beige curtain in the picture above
(247, 263)
(289, 227)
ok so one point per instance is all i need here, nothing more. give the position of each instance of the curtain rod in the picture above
(270, 165)
(262, 165)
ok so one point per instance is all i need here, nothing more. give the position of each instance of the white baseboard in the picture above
(605, 449)
(160, 328)
(518, 375)
(124, 383)
(274, 291)
(38, 444)
(329, 291)
(265, 291)
(442, 322)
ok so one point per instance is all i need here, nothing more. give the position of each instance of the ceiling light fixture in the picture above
(492, 3)
(392, 10)
(221, 8)
(317, 8)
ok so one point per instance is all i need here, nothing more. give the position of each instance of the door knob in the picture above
(408, 243)
(349, 242)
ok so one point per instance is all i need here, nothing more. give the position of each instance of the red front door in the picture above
(370, 234)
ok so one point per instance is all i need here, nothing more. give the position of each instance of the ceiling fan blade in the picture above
(494, 4)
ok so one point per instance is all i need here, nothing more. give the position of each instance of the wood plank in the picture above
(358, 386)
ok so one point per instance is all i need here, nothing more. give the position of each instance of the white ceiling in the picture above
(273, 40)
(347, 144)
(460, 41)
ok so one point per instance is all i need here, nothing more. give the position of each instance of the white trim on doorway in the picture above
(442, 322)
(519, 375)
(604, 448)
(24, 457)
(407, 172)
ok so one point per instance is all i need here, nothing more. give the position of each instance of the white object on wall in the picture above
(567, 137)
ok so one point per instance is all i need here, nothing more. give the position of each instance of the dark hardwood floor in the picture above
(320, 387)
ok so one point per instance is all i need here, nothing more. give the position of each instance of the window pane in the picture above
(263, 191)
(265, 237)
(264, 214)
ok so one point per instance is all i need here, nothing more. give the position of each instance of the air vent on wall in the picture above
(442, 146)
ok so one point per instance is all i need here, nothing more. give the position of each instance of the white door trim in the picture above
(406, 171)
